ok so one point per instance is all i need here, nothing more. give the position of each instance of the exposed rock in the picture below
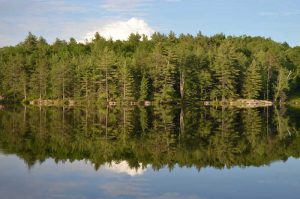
(251, 103)
(147, 103)
(112, 103)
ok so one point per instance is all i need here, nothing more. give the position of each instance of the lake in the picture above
(149, 152)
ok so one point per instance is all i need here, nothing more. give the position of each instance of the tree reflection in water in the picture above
(156, 136)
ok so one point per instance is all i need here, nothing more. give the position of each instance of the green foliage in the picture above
(144, 89)
(226, 71)
(164, 69)
(282, 85)
(252, 82)
(128, 81)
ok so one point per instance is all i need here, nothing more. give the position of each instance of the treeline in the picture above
(164, 69)
(159, 137)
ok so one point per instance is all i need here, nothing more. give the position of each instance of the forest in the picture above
(165, 68)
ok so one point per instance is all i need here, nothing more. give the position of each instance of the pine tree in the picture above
(198, 78)
(61, 76)
(282, 84)
(39, 80)
(105, 69)
(85, 74)
(127, 81)
(163, 69)
(226, 70)
(144, 116)
(158, 61)
(15, 79)
(252, 126)
(144, 88)
(170, 72)
(252, 84)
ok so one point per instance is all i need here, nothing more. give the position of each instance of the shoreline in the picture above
(239, 103)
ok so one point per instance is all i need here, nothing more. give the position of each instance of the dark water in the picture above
(152, 153)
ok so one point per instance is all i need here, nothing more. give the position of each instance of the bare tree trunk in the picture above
(124, 82)
(40, 118)
(268, 80)
(182, 129)
(63, 88)
(63, 119)
(182, 84)
(86, 88)
(24, 90)
(40, 93)
(40, 86)
(25, 114)
(106, 121)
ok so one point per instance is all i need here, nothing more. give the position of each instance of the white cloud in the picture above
(64, 19)
(123, 167)
(121, 29)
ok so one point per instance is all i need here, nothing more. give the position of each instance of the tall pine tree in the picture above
(144, 88)
(226, 71)
(252, 83)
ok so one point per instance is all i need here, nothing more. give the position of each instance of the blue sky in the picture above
(278, 19)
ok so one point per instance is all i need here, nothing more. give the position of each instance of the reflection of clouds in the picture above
(79, 180)
(61, 167)
(123, 167)
(61, 186)
(132, 190)
(115, 189)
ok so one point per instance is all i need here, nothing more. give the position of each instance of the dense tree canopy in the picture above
(165, 68)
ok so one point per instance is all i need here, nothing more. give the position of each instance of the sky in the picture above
(277, 19)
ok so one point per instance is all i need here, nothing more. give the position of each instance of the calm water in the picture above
(152, 153)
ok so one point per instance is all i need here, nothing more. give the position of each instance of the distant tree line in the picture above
(165, 68)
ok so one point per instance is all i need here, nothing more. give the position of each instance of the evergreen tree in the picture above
(144, 88)
(252, 82)
(39, 80)
(252, 126)
(15, 79)
(127, 81)
(158, 61)
(163, 69)
(85, 75)
(226, 71)
(170, 72)
(61, 76)
(282, 85)
(105, 64)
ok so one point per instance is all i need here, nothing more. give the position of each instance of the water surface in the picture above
(154, 152)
